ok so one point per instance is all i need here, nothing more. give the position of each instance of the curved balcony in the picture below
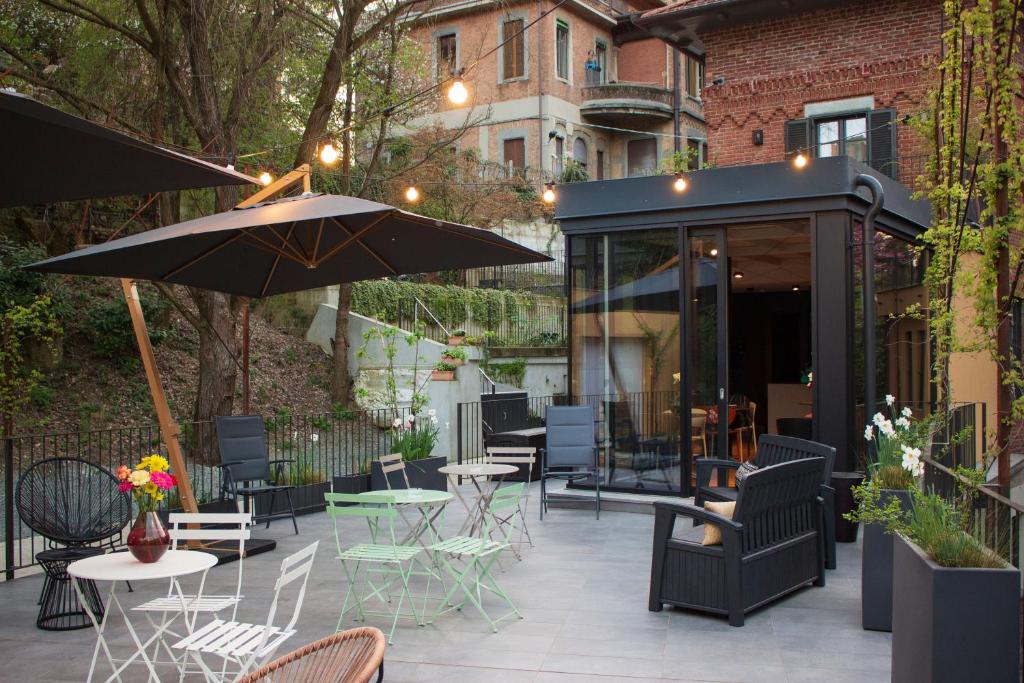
(626, 104)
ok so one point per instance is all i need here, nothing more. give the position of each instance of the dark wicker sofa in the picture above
(772, 546)
(772, 450)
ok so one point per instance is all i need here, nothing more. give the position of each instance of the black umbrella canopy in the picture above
(51, 156)
(294, 244)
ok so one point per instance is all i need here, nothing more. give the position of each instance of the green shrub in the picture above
(456, 352)
(108, 325)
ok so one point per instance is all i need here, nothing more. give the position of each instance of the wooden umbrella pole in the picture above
(168, 428)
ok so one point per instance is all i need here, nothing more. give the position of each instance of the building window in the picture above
(597, 64)
(579, 151)
(693, 154)
(641, 157)
(559, 156)
(562, 49)
(600, 165)
(694, 77)
(840, 136)
(514, 50)
(514, 155)
(447, 56)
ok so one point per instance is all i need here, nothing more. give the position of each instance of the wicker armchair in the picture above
(773, 450)
(351, 656)
(771, 546)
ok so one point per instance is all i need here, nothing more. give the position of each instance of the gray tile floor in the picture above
(583, 594)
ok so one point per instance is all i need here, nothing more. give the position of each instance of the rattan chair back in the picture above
(352, 656)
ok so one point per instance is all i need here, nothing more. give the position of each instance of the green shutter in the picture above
(882, 141)
(798, 137)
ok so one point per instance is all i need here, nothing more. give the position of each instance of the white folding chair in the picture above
(209, 528)
(251, 645)
(393, 463)
(516, 455)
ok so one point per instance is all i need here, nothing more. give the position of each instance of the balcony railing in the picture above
(636, 102)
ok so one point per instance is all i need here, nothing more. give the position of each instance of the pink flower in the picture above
(163, 480)
(123, 472)
(125, 486)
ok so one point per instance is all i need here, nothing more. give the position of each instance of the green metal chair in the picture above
(383, 560)
(478, 554)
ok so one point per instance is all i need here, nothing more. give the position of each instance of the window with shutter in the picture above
(579, 151)
(798, 136)
(515, 154)
(513, 51)
(641, 156)
(446, 56)
(882, 141)
(562, 49)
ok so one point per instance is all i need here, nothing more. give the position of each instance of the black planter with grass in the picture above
(307, 499)
(876, 569)
(953, 623)
(352, 483)
(422, 474)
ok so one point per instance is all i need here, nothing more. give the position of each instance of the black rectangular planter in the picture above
(953, 624)
(352, 483)
(306, 499)
(423, 474)
(876, 570)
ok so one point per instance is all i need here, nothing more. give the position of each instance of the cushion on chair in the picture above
(712, 534)
(743, 470)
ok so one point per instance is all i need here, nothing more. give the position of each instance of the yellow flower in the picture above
(139, 477)
(150, 488)
(154, 463)
(158, 497)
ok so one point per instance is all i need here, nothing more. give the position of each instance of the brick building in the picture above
(565, 87)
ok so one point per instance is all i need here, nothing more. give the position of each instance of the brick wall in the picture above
(772, 69)
(644, 61)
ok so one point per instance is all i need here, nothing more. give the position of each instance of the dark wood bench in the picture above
(772, 546)
(773, 450)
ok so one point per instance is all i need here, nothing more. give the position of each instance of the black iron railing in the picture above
(321, 446)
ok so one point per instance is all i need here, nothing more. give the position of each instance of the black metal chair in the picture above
(771, 546)
(246, 467)
(772, 450)
(571, 451)
(72, 503)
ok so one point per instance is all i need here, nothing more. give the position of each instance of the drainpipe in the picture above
(867, 245)
(676, 102)
(540, 98)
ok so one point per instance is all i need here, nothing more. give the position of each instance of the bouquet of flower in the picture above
(416, 437)
(149, 482)
(896, 456)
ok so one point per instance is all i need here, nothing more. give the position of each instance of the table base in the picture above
(60, 608)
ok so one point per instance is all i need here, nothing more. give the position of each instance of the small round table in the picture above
(123, 566)
(477, 472)
(430, 504)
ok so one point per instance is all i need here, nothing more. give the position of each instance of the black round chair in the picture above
(72, 503)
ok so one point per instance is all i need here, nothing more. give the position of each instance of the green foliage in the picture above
(459, 333)
(679, 162)
(573, 172)
(416, 440)
(41, 396)
(321, 422)
(108, 324)
(456, 352)
(387, 340)
(510, 372)
(303, 472)
(20, 323)
(444, 366)
(339, 411)
(895, 445)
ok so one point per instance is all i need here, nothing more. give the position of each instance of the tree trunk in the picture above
(341, 381)
(218, 354)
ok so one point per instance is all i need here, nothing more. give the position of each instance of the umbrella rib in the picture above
(273, 267)
(316, 245)
(196, 259)
(273, 249)
(351, 238)
(369, 251)
(434, 224)
(285, 243)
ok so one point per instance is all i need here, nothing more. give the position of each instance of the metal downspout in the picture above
(869, 305)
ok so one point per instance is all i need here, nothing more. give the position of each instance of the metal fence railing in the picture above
(543, 324)
(322, 446)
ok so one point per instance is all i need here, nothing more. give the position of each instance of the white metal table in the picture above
(123, 567)
(485, 472)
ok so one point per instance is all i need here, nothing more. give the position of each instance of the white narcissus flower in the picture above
(886, 428)
(903, 422)
(919, 470)
(878, 419)
(889, 399)
(397, 422)
(433, 420)
(907, 412)
(431, 413)
(869, 433)
(316, 437)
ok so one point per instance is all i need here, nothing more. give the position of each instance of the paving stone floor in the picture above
(582, 591)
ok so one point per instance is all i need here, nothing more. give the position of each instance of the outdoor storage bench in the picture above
(772, 546)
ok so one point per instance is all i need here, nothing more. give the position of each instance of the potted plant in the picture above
(455, 355)
(415, 439)
(894, 446)
(443, 372)
(944, 581)
(456, 338)
(310, 482)
(356, 482)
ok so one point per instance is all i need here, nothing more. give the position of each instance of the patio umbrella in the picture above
(52, 156)
(293, 244)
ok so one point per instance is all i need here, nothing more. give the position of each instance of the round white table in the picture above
(476, 473)
(123, 567)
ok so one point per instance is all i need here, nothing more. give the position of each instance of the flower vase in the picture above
(148, 540)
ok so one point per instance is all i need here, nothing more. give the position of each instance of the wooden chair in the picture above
(352, 656)
(393, 463)
(519, 456)
(771, 546)
(747, 430)
(772, 450)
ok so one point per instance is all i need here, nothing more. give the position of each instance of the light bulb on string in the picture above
(266, 178)
(328, 154)
(680, 183)
(549, 193)
(412, 193)
(800, 160)
(457, 92)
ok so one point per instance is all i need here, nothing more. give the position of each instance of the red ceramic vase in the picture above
(148, 540)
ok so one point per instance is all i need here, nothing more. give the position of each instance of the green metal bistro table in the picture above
(429, 503)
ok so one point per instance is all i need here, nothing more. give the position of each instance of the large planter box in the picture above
(306, 499)
(953, 624)
(352, 483)
(423, 474)
(876, 570)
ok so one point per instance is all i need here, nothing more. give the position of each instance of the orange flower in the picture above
(123, 472)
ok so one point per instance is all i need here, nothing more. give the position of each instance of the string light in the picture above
(328, 154)
(412, 194)
(714, 251)
(457, 92)
(549, 193)
(800, 160)
(738, 275)
(796, 288)
(266, 178)
(680, 183)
